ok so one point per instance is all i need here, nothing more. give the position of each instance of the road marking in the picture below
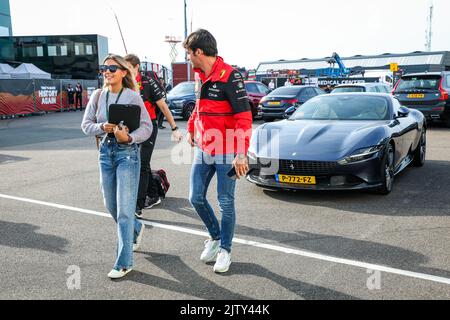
(281, 249)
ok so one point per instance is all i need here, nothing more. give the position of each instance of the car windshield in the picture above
(421, 83)
(183, 89)
(344, 107)
(286, 91)
(348, 89)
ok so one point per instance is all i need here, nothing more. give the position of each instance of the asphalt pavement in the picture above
(57, 241)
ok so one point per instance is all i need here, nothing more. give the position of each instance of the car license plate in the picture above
(274, 103)
(416, 96)
(296, 179)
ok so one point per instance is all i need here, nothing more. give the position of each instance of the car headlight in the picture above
(361, 154)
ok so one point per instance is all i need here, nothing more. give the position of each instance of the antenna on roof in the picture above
(120, 29)
(429, 31)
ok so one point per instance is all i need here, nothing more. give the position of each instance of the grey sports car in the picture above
(345, 141)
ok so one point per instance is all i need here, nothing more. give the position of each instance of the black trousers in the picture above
(147, 185)
(79, 102)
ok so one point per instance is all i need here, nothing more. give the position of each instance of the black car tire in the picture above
(446, 121)
(387, 171)
(268, 119)
(187, 111)
(421, 150)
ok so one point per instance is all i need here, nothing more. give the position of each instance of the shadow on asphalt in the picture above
(190, 283)
(24, 236)
(304, 290)
(339, 247)
(5, 159)
(417, 192)
(187, 281)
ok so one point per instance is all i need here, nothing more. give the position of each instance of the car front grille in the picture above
(295, 167)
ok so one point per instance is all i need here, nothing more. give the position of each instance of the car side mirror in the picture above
(403, 112)
(289, 112)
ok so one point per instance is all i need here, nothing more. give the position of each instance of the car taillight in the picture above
(395, 87)
(291, 101)
(444, 93)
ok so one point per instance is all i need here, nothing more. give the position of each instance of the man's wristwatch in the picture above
(175, 129)
(241, 156)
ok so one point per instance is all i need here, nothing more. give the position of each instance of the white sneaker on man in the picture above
(137, 245)
(212, 248)
(223, 262)
(118, 274)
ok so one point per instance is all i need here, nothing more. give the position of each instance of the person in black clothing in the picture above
(161, 118)
(70, 95)
(79, 97)
(154, 97)
(159, 114)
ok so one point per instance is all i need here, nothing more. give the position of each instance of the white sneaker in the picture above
(223, 262)
(137, 245)
(118, 274)
(212, 248)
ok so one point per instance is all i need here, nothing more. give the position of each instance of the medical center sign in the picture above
(48, 95)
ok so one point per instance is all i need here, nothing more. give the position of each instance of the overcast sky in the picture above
(247, 31)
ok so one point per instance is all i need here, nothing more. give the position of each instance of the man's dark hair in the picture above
(132, 59)
(204, 40)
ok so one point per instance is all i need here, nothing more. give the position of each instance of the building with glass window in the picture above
(65, 57)
(410, 62)
(6, 40)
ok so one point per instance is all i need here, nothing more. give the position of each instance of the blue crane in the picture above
(342, 71)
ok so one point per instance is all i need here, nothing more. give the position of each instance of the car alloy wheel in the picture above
(389, 170)
(421, 151)
(423, 146)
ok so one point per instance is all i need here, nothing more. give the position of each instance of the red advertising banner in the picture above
(48, 95)
(16, 97)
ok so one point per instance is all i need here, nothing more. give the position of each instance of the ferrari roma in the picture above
(348, 141)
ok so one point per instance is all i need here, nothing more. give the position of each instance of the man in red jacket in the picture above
(221, 127)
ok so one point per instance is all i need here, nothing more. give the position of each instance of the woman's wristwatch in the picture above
(175, 129)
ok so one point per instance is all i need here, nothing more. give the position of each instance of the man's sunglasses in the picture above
(112, 68)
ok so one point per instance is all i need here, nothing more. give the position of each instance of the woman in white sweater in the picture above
(119, 156)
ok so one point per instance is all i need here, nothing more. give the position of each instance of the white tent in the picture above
(29, 71)
(5, 70)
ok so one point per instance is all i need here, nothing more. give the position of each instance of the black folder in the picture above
(130, 114)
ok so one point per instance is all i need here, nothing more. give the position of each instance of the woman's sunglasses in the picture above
(112, 68)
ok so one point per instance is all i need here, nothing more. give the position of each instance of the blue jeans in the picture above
(119, 177)
(203, 170)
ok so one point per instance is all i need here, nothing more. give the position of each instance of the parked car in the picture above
(274, 105)
(363, 87)
(347, 141)
(426, 92)
(256, 91)
(182, 100)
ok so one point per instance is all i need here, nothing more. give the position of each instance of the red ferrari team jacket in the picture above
(222, 119)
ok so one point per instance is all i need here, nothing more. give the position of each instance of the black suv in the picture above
(426, 92)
